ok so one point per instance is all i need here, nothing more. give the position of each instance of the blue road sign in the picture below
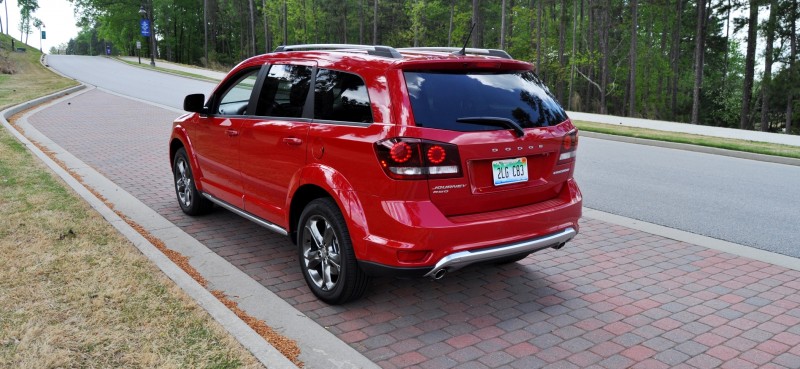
(145, 26)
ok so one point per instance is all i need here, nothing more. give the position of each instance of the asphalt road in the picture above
(742, 201)
(115, 76)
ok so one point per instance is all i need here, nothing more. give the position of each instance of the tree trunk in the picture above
(360, 22)
(749, 65)
(475, 20)
(699, 51)
(285, 26)
(375, 23)
(604, 56)
(632, 75)
(267, 38)
(539, 13)
(205, 32)
(252, 19)
(503, 24)
(562, 40)
(572, 55)
(766, 83)
(792, 67)
(676, 57)
(344, 21)
(450, 29)
(510, 27)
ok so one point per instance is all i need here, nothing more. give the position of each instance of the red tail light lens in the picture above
(412, 158)
(569, 146)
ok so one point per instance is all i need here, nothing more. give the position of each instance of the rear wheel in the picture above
(189, 198)
(326, 254)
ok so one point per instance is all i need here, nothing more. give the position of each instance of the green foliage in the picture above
(234, 33)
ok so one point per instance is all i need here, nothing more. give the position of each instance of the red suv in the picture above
(383, 161)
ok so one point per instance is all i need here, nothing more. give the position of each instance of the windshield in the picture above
(439, 99)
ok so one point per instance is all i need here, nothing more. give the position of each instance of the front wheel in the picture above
(189, 198)
(326, 254)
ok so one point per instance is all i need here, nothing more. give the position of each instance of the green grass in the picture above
(686, 138)
(31, 79)
(170, 71)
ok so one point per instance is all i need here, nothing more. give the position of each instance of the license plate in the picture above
(510, 171)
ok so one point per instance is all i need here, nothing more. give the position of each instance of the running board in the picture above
(271, 226)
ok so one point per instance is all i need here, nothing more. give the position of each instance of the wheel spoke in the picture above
(313, 230)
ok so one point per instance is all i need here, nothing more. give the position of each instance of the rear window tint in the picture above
(341, 96)
(438, 99)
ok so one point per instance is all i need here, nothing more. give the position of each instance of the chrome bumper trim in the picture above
(464, 258)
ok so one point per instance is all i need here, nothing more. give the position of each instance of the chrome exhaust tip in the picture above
(439, 274)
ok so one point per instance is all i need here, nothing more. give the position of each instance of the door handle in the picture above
(231, 132)
(294, 141)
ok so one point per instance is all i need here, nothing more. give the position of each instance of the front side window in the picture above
(341, 96)
(285, 91)
(439, 99)
(236, 98)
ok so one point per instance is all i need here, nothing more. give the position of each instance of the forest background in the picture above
(675, 60)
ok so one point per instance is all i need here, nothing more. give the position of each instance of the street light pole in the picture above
(148, 15)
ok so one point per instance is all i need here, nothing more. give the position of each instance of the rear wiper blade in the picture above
(494, 121)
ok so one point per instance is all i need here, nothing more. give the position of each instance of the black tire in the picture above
(326, 255)
(192, 202)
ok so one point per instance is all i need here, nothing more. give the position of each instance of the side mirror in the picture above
(194, 103)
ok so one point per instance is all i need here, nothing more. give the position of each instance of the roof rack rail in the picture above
(490, 52)
(377, 50)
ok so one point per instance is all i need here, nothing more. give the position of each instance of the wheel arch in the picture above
(321, 181)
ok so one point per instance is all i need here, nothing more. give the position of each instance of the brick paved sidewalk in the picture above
(613, 298)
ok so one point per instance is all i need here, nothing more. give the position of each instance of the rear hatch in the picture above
(514, 142)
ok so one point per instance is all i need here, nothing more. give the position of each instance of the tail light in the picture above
(412, 158)
(569, 146)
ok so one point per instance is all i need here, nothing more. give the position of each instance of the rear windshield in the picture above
(440, 98)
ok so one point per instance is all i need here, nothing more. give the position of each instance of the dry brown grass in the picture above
(74, 293)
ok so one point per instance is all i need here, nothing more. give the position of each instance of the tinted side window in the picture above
(284, 92)
(234, 101)
(440, 98)
(341, 96)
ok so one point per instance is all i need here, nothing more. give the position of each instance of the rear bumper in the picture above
(461, 259)
(465, 258)
(409, 237)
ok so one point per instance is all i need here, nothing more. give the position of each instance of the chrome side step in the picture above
(271, 226)
(461, 259)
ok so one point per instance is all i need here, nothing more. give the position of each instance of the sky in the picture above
(58, 17)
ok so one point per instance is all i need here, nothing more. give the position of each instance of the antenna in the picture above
(463, 50)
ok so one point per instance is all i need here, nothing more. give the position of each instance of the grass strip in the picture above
(30, 79)
(636, 132)
(75, 293)
(764, 148)
(170, 71)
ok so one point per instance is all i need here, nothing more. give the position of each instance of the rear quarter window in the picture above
(341, 96)
(439, 98)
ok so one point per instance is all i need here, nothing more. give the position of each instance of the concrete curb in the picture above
(264, 352)
(197, 77)
(695, 239)
(695, 148)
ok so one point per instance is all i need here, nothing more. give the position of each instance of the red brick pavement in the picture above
(613, 298)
